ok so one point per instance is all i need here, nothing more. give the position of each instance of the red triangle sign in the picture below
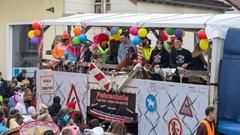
(72, 96)
(186, 108)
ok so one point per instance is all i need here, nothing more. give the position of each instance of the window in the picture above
(98, 6)
(24, 53)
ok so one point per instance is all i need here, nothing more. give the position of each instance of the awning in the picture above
(216, 25)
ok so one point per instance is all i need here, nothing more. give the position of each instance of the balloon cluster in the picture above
(203, 40)
(35, 34)
(79, 36)
(138, 34)
(115, 33)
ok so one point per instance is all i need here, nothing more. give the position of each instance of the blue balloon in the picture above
(108, 33)
(114, 30)
(136, 40)
(83, 38)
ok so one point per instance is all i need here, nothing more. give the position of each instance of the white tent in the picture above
(216, 25)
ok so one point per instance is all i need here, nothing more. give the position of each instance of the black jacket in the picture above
(54, 109)
(160, 58)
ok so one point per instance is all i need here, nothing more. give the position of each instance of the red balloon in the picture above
(164, 36)
(36, 25)
(202, 34)
(37, 33)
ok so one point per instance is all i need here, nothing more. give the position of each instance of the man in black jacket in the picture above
(55, 107)
(22, 75)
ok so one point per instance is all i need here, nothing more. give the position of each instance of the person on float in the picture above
(101, 52)
(207, 125)
(72, 53)
(59, 49)
(159, 59)
(180, 59)
(124, 45)
(146, 49)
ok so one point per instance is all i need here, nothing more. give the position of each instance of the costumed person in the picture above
(207, 125)
(3, 128)
(59, 49)
(124, 45)
(31, 111)
(180, 59)
(28, 97)
(20, 105)
(146, 49)
(159, 59)
(101, 52)
(95, 43)
(55, 107)
(71, 106)
(70, 130)
(72, 52)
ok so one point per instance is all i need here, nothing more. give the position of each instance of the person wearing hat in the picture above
(22, 75)
(72, 112)
(101, 52)
(59, 49)
(28, 97)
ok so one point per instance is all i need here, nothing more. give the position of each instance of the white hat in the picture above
(94, 131)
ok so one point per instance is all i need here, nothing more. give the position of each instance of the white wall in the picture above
(77, 6)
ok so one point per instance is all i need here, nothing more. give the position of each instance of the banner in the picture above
(168, 108)
(113, 106)
(70, 87)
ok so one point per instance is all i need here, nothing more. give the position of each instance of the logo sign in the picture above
(151, 103)
(174, 127)
(186, 108)
(47, 85)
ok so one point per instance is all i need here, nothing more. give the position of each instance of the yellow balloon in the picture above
(110, 38)
(31, 34)
(119, 31)
(183, 35)
(116, 36)
(142, 32)
(204, 44)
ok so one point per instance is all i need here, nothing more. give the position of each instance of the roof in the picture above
(216, 25)
(213, 4)
(235, 3)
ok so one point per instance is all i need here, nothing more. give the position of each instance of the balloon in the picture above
(35, 40)
(202, 34)
(36, 25)
(170, 31)
(108, 32)
(116, 36)
(120, 31)
(37, 33)
(31, 34)
(136, 40)
(142, 32)
(95, 39)
(165, 44)
(114, 30)
(184, 33)
(178, 33)
(164, 36)
(83, 38)
(75, 40)
(77, 31)
(133, 31)
(110, 38)
(204, 44)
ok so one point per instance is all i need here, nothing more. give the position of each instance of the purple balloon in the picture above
(35, 40)
(178, 33)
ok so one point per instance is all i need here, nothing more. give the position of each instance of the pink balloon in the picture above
(133, 31)
(93, 46)
(95, 39)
